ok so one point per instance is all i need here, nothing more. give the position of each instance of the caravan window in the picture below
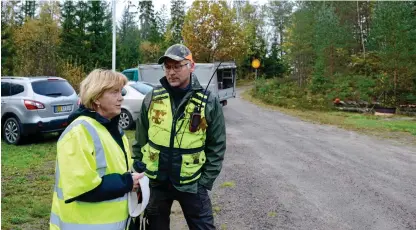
(225, 78)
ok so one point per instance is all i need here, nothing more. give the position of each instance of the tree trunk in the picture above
(331, 58)
(361, 29)
(395, 85)
(281, 38)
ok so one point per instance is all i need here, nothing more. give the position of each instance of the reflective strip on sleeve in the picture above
(55, 220)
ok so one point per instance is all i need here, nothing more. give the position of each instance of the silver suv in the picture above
(31, 105)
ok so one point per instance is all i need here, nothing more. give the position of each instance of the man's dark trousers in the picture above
(196, 208)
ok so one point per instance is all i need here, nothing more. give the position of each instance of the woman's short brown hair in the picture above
(97, 82)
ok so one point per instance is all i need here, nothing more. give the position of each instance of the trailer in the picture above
(223, 83)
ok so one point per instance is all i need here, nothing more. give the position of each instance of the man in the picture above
(180, 138)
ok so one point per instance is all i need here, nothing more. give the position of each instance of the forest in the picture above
(311, 52)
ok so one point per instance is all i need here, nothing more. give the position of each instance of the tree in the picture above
(69, 36)
(80, 41)
(393, 37)
(128, 41)
(148, 26)
(9, 22)
(280, 12)
(162, 19)
(238, 5)
(99, 29)
(210, 33)
(151, 50)
(273, 65)
(174, 29)
(37, 43)
(251, 22)
(299, 43)
(29, 9)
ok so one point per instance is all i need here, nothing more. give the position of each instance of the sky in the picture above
(120, 4)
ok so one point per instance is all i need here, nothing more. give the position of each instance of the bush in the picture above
(286, 93)
(352, 88)
(73, 73)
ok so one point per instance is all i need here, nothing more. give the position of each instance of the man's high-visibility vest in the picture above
(173, 150)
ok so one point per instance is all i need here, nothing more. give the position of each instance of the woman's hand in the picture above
(136, 177)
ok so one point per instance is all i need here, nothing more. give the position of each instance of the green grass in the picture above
(27, 183)
(228, 184)
(271, 214)
(244, 82)
(396, 127)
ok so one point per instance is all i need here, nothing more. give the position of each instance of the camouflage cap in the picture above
(177, 52)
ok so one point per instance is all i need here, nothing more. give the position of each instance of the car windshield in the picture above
(141, 88)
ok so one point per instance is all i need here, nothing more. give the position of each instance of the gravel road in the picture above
(291, 174)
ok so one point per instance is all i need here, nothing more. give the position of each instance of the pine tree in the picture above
(81, 38)
(99, 34)
(393, 38)
(177, 12)
(69, 47)
(162, 19)
(29, 9)
(280, 12)
(128, 41)
(148, 26)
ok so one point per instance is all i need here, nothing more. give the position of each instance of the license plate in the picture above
(63, 108)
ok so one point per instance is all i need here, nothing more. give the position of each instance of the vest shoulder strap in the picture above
(159, 90)
(202, 96)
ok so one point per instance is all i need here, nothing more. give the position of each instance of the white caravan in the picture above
(223, 82)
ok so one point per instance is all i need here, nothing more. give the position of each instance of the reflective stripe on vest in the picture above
(99, 153)
(190, 145)
(69, 226)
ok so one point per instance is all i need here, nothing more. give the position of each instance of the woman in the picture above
(92, 175)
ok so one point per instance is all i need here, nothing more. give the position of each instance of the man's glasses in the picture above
(177, 67)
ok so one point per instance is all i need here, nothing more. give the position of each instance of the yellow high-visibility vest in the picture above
(172, 147)
(86, 152)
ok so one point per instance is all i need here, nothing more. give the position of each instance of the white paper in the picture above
(135, 209)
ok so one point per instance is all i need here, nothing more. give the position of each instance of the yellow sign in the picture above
(255, 63)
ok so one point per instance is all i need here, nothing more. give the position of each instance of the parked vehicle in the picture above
(223, 84)
(134, 93)
(31, 105)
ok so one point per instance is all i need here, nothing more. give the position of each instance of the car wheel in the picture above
(126, 121)
(11, 131)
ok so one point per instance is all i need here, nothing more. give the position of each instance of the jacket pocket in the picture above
(191, 166)
(151, 158)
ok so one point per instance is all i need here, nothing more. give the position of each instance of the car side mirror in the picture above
(123, 92)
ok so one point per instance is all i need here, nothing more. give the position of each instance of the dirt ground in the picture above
(283, 173)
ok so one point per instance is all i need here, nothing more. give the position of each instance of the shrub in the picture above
(72, 72)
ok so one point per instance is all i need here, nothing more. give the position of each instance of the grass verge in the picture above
(397, 127)
(244, 82)
(27, 180)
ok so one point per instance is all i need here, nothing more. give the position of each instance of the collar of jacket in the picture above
(83, 111)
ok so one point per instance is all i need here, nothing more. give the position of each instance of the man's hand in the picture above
(136, 177)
